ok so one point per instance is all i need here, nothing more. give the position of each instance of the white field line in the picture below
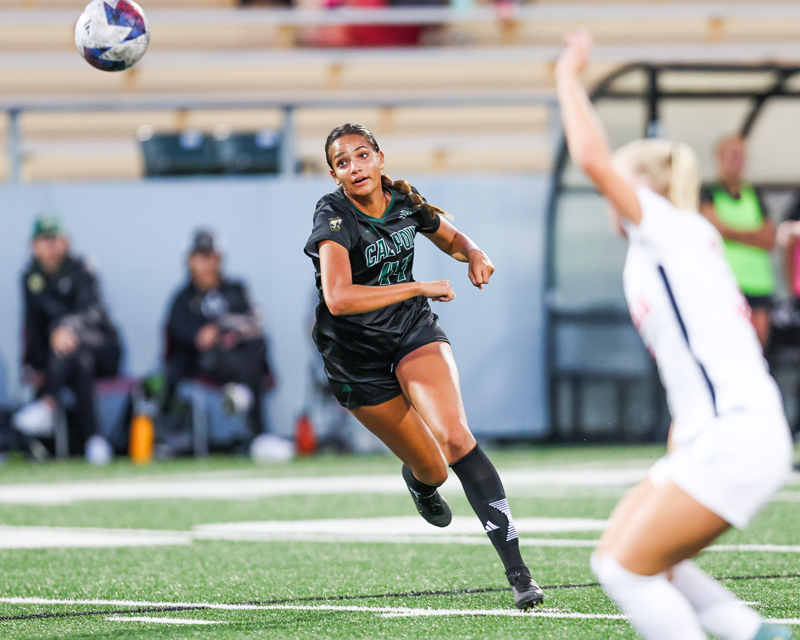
(389, 612)
(552, 482)
(395, 530)
(765, 548)
(397, 526)
(12, 537)
(160, 620)
(390, 539)
(248, 488)
(787, 496)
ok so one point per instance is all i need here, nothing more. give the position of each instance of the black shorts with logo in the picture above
(366, 386)
(759, 302)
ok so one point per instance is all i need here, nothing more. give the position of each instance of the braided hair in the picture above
(401, 186)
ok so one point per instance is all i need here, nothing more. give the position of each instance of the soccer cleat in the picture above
(433, 508)
(267, 447)
(35, 420)
(98, 451)
(773, 632)
(527, 593)
(236, 398)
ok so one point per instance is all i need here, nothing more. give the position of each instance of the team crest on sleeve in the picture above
(336, 223)
(35, 283)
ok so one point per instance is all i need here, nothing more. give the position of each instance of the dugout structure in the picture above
(602, 383)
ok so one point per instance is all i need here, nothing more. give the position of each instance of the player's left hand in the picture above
(480, 268)
(575, 57)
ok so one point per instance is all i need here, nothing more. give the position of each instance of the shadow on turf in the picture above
(374, 596)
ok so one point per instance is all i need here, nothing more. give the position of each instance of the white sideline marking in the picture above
(403, 529)
(397, 526)
(216, 488)
(787, 496)
(12, 537)
(389, 612)
(220, 486)
(767, 548)
(160, 620)
(396, 530)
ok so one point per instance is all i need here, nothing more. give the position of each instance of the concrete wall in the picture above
(137, 234)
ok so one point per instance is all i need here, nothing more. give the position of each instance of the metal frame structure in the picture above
(653, 96)
(288, 103)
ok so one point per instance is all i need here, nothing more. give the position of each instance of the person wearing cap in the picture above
(737, 210)
(69, 339)
(213, 331)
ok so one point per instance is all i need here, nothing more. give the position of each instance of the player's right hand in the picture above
(64, 341)
(438, 290)
(207, 337)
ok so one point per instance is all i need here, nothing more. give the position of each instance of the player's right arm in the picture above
(586, 138)
(343, 298)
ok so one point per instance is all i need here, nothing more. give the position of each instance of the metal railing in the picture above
(288, 103)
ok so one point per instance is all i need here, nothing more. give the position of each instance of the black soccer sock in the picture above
(420, 488)
(488, 499)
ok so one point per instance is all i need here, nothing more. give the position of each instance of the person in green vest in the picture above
(736, 209)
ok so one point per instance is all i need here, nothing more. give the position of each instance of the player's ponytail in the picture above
(668, 168)
(404, 187)
(684, 183)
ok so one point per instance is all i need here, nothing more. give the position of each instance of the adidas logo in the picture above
(490, 526)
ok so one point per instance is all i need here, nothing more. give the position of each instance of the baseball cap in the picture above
(47, 225)
(204, 242)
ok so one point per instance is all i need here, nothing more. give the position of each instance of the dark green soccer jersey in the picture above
(381, 253)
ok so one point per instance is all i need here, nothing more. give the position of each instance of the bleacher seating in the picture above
(204, 48)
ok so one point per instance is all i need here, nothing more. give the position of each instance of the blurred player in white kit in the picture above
(730, 448)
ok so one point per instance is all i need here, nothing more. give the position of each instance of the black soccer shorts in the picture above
(366, 386)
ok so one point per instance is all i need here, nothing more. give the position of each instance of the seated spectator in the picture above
(787, 238)
(368, 35)
(213, 331)
(69, 338)
(736, 209)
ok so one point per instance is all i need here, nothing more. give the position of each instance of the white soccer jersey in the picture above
(692, 317)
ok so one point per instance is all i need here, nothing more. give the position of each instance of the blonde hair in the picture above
(668, 168)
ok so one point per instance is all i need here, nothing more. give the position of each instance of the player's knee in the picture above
(433, 473)
(457, 444)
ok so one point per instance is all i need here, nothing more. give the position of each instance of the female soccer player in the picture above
(386, 358)
(730, 448)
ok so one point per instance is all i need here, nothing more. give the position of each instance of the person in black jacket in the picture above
(69, 338)
(213, 331)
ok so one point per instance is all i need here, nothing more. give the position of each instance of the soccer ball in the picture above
(112, 35)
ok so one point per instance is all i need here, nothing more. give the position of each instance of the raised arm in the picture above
(345, 298)
(586, 138)
(456, 244)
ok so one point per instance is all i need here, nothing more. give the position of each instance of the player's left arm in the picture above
(459, 246)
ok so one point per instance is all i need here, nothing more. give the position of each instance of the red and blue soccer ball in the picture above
(112, 35)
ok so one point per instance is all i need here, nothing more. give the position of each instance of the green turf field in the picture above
(331, 547)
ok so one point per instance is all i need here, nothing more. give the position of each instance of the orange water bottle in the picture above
(142, 439)
(304, 438)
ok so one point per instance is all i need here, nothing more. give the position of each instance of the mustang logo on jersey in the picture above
(336, 223)
(377, 251)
